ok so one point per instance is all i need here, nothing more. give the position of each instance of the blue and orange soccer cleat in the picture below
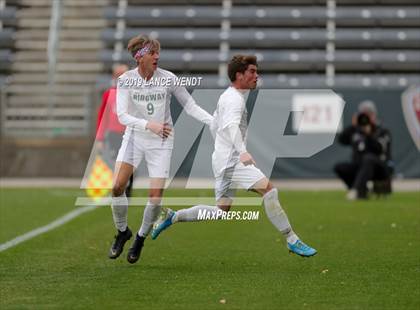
(162, 223)
(301, 249)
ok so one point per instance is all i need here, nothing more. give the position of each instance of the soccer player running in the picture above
(232, 164)
(143, 107)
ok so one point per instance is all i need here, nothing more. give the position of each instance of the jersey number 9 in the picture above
(150, 108)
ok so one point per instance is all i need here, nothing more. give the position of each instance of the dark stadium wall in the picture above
(60, 157)
(404, 152)
(388, 102)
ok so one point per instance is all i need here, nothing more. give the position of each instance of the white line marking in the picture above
(171, 201)
(40, 230)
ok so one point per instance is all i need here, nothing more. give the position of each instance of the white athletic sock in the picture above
(277, 216)
(119, 206)
(191, 214)
(150, 215)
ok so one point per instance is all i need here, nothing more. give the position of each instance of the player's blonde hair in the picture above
(141, 41)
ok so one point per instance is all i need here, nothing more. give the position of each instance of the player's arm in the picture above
(190, 106)
(233, 115)
(239, 145)
(123, 98)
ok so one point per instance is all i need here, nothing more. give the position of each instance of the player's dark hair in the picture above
(240, 63)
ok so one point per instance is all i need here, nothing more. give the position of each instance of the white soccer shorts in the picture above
(238, 176)
(132, 152)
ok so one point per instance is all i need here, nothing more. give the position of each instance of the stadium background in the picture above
(56, 58)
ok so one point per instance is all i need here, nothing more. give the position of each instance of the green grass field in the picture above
(369, 257)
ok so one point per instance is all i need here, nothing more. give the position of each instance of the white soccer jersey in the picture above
(140, 101)
(231, 109)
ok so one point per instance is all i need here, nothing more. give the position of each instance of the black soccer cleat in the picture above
(120, 239)
(134, 252)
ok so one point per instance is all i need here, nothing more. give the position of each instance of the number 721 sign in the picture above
(320, 113)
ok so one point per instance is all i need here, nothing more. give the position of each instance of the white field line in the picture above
(43, 229)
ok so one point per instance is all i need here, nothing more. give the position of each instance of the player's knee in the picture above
(224, 203)
(224, 208)
(265, 189)
(155, 200)
(155, 197)
(117, 189)
(269, 187)
(262, 186)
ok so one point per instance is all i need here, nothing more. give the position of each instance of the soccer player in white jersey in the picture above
(232, 165)
(143, 98)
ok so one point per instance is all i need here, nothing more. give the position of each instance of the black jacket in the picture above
(377, 143)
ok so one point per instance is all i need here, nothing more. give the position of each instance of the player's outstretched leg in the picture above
(169, 217)
(119, 213)
(164, 221)
(279, 219)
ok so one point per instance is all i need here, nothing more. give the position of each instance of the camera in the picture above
(363, 120)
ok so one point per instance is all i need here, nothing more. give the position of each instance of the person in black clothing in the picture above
(371, 156)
